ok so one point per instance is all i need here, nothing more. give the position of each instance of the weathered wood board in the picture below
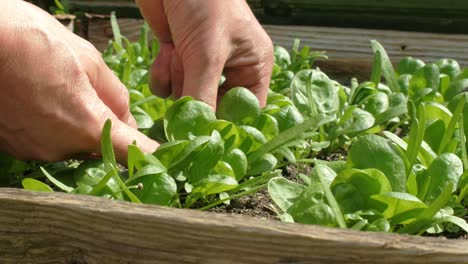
(414, 15)
(348, 49)
(350, 53)
(63, 228)
(99, 31)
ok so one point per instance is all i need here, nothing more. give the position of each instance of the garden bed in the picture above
(365, 175)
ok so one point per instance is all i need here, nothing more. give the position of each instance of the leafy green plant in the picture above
(402, 135)
(61, 7)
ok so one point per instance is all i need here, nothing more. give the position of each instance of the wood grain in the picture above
(350, 53)
(62, 228)
(349, 50)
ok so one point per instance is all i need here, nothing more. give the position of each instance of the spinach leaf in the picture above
(371, 151)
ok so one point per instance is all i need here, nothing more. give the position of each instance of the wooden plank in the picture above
(413, 15)
(350, 52)
(63, 228)
(99, 30)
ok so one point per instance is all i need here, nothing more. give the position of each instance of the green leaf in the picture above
(107, 150)
(416, 135)
(160, 189)
(398, 203)
(371, 151)
(409, 65)
(170, 151)
(189, 118)
(426, 77)
(240, 106)
(353, 189)
(436, 111)
(445, 169)
(376, 103)
(353, 120)
(282, 57)
(434, 133)
(229, 133)
(135, 159)
(288, 117)
(89, 172)
(268, 125)
(284, 192)
(313, 89)
(149, 169)
(449, 67)
(454, 220)
(110, 164)
(266, 163)
(90, 177)
(387, 67)
(144, 121)
(452, 125)
(379, 225)
(205, 160)
(306, 211)
(116, 30)
(57, 183)
(425, 219)
(213, 184)
(35, 185)
(455, 88)
(250, 138)
(238, 161)
(289, 135)
(325, 174)
(397, 107)
(377, 68)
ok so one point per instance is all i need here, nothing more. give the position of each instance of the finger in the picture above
(111, 91)
(161, 71)
(124, 135)
(154, 14)
(177, 75)
(201, 78)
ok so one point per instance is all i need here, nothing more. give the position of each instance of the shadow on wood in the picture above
(63, 228)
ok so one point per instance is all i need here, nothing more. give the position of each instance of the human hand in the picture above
(200, 38)
(56, 91)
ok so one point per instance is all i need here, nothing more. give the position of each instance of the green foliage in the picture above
(409, 185)
(403, 142)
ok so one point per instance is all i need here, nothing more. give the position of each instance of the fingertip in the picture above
(124, 135)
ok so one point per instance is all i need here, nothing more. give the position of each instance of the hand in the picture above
(200, 38)
(56, 92)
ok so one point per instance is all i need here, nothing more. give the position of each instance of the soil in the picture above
(260, 205)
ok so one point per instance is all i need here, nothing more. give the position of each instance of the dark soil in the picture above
(257, 205)
(260, 205)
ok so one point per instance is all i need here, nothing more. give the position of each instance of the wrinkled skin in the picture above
(201, 38)
(56, 92)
